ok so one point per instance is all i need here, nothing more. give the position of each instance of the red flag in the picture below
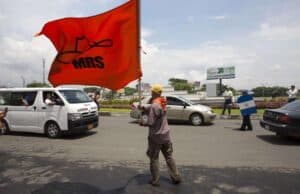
(100, 50)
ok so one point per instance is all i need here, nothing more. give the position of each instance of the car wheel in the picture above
(196, 119)
(52, 130)
(5, 129)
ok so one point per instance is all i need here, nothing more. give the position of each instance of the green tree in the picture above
(173, 81)
(92, 89)
(36, 84)
(181, 84)
(275, 91)
(129, 91)
(203, 88)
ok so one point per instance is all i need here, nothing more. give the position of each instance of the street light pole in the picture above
(23, 81)
(44, 71)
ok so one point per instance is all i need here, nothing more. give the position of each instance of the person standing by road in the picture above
(247, 107)
(228, 95)
(97, 99)
(292, 92)
(2, 123)
(159, 137)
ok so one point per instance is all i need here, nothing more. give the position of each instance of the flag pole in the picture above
(138, 7)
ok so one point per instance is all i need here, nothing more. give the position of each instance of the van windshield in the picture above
(75, 96)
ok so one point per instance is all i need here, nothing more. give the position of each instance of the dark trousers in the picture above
(153, 154)
(227, 106)
(246, 123)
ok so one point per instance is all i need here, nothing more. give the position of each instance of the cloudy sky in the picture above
(181, 38)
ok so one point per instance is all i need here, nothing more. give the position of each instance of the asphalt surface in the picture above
(111, 159)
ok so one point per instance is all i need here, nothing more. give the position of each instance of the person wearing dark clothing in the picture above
(247, 108)
(292, 92)
(246, 123)
(159, 137)
(97, 99)
(228, 95)
(2, 122)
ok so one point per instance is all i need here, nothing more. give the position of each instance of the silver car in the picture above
(180, 109)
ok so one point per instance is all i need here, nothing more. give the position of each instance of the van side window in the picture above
(4, 98)
(51, 98)
(23, 98)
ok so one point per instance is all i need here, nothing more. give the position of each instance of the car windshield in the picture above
(186, 100)
(293, 106)
(75, 96)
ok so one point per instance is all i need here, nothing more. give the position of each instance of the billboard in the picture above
(221, 73)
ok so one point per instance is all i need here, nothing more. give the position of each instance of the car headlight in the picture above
(74, 116)
(210, 112)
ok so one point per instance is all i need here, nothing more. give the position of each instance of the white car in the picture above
(179, 109)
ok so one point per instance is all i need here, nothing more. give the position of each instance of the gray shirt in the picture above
(159, 131)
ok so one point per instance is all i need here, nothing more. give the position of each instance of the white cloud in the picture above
(279, 33)
(146, 33)
(190, 19)
(220, 17)
(269, 54)
(24, 58)
(276, 68)
(190, 64)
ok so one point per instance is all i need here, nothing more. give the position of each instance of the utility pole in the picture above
(220, 85)
(44, 71)
(23, 81)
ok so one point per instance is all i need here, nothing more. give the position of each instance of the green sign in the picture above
(221, 73)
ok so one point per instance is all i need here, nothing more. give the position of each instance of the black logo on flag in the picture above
(69, 56)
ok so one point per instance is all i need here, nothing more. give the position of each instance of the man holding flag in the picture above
(159, 139)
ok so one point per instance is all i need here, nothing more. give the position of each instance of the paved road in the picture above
(111, 159)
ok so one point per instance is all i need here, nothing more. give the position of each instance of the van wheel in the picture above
(196, 119)
(5, 129)
(52, 130)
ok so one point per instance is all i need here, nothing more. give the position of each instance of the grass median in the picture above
(218, 111)
(115, 110)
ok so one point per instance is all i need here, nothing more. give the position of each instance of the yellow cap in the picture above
(157, 88)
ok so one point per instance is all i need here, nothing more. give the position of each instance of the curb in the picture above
(219, 117)
(237, 117)
(105, 114)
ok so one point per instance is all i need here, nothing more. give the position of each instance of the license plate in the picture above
(90, 126)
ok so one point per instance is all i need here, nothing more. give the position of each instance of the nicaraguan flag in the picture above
(247, 105)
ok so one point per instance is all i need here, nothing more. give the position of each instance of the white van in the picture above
(29, 110)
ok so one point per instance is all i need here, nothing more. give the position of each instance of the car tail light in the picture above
(283, 119)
